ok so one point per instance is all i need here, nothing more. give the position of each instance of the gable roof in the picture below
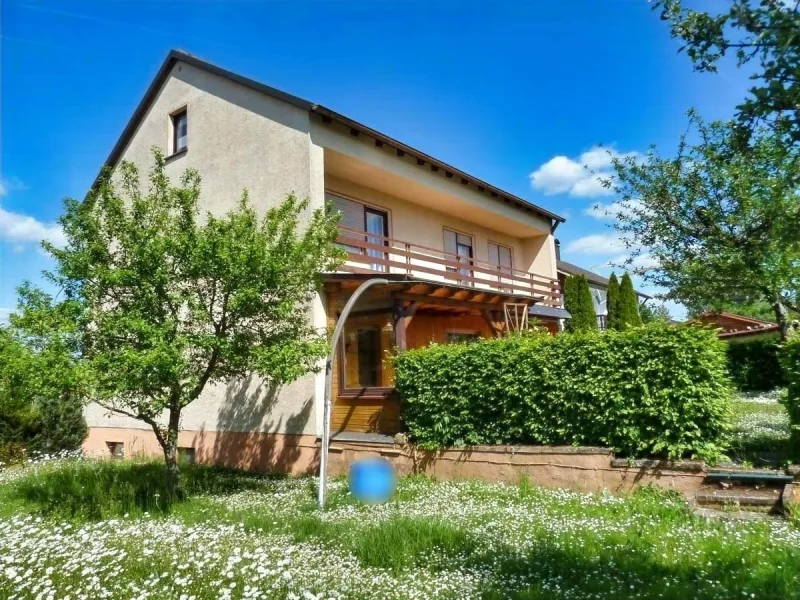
(571, 269)
(327, 114)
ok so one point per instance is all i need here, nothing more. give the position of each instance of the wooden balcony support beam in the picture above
(401, 319)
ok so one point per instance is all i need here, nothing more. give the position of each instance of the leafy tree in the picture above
(628, 304)
(654, 314)
(59, 381)
(612, 303)
(764, 33)
(171, 301)
(717, 221)
(42, 384)
(578, 301)
(18, 416)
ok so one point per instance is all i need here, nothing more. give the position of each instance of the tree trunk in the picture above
(782, 317)
(170, 447)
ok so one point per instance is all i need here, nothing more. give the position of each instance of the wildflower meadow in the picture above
(75, 529)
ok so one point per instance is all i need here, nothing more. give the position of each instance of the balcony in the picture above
(372, 253)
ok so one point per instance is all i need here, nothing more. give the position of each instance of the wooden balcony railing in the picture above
(370, 253)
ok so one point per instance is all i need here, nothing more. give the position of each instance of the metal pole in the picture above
(326, 411)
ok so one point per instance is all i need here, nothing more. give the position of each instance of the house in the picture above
(736, 327)
(458, 252)
(597, 284)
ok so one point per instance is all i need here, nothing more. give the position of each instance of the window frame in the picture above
(491, 242)
(472, 258)
(113, 446)
(366, 207)
(372, 392)
(174, 118)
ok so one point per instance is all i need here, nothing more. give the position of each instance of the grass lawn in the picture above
(102, 530)
(761, 428)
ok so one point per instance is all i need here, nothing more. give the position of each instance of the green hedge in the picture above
(754, 364)
(790, 360)
(656, 390)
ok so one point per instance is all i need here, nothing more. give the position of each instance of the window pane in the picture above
(366, 343)
(376, 224)
(505, 257)
(494, 253)
(454, 337)
(369, 349)
(181, 125)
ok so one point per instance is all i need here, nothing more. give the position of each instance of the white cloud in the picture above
(4, 312)
(11, 184)
(612, 210)
(557, 176)
(21, 229)
(596, 243)
(581, 177)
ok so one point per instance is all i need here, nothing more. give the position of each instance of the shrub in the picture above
(790, 361)
(655, 390)
(40, 408)
(754, 364)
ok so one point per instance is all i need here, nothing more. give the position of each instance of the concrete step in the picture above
(762, 500)
(737, 515)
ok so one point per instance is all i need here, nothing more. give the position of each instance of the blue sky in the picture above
(516, 93)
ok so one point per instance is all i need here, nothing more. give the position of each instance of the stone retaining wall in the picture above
(578, 468)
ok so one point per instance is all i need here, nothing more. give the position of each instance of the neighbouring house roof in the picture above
(734, 326)
(748, 332)
(569, 269)
(327, 115)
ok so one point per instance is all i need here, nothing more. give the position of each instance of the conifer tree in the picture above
(578, 302)
(628, 304)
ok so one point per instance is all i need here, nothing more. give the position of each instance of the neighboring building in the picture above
(736, 327)
(456, 250)
(597, 284)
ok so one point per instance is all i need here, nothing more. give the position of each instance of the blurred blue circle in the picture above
(372, 480)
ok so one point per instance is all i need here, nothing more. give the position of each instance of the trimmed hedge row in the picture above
(655, 390)
(790, 361)
(754, 364)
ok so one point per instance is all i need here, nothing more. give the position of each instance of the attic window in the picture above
(180, 127)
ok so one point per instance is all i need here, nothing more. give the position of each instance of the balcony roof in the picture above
(327, 115)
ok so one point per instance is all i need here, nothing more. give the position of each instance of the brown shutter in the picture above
(450, 242)
(352, 212)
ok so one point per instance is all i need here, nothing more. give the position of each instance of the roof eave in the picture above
(175, 56)
(502, 196)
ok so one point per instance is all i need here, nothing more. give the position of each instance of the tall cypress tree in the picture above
(628, 304)
(578, 301)
(612, 303)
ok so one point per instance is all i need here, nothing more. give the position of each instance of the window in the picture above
(117, 449)
(459, 247)
(501, 256)
(186, 456)
(369, 352)
(180, 125)
(366, 343)
(454, 337)
(374, 222)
